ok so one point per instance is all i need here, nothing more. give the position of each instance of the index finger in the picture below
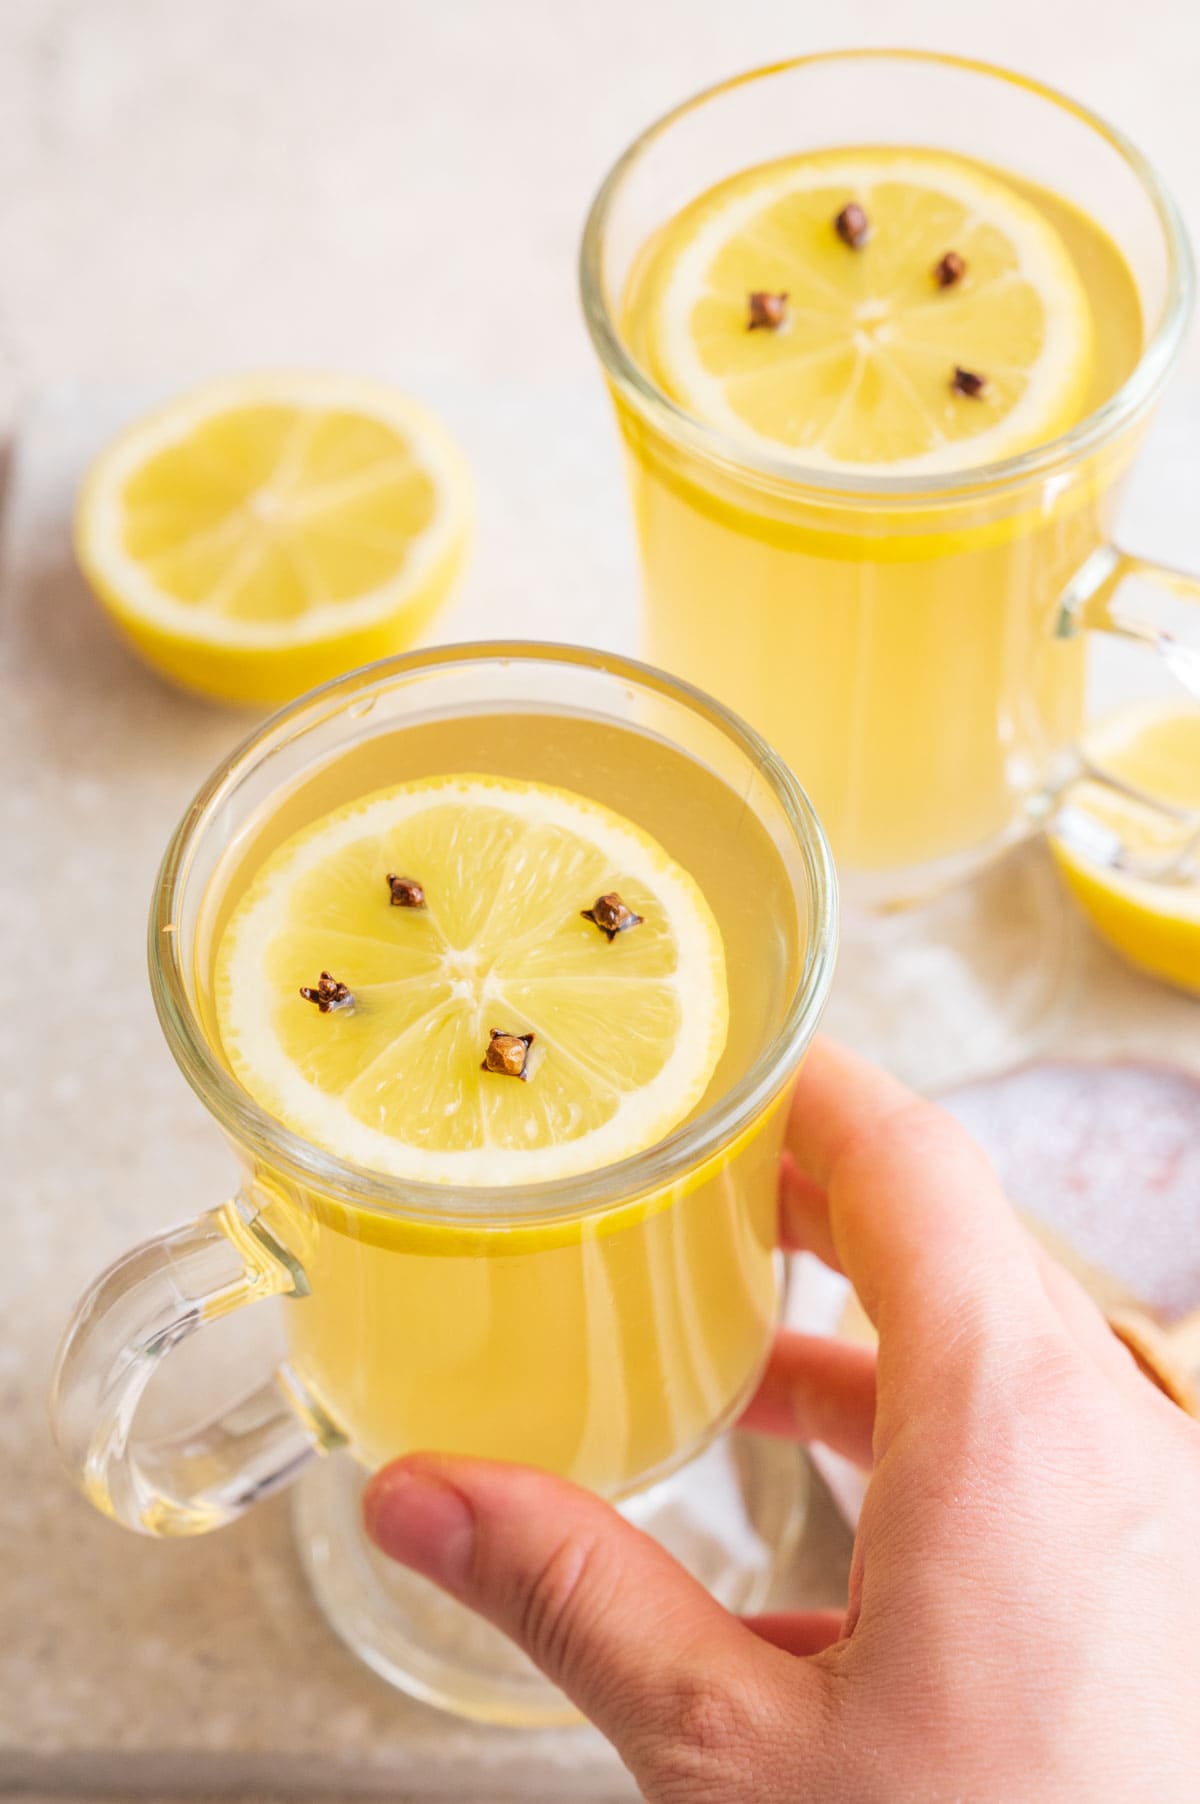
(915, 1212)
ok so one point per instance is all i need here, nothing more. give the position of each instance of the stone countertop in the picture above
(190, 190)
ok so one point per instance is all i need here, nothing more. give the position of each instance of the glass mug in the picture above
(912, 645)
(607, 1325)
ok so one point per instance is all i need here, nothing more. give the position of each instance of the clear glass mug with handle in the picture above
(912, 645)
(608, 1326)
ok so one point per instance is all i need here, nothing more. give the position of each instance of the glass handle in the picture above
(1135, 598)
(123, 1329)
(1156, 606)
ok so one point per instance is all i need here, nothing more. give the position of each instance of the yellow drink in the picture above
(893, 639)
(606, 1346)
(561, 1248)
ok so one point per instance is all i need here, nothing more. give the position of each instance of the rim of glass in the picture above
(493, 1205)
(1137, 392)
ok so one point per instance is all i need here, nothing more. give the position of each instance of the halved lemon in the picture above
(267, 532)
(627, 1031)
(1154, 922)
(860, 375)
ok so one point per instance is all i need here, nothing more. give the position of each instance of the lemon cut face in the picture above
(860, 374)
(267, 532)
(1155, 751)
(627, 1031)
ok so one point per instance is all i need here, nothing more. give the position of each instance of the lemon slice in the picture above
(268, 532)
(859, 376)
(1154, 923)
(627, 1032)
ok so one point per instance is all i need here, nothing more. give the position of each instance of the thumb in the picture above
(643, 1650)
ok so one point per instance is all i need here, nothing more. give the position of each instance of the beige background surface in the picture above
(395, 188)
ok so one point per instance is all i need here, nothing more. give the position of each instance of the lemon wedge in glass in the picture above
(856, 368)
(611, 1036)
(267, 532)
(1131, 854)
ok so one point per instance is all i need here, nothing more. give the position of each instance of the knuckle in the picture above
(565, 1594)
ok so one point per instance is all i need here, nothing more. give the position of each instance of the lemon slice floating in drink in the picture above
(942, 326)
(424, 920)
(1147, 906)
(268, 532)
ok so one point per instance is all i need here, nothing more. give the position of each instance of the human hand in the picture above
(1023, 1620)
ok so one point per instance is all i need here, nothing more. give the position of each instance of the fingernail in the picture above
(421, 1521)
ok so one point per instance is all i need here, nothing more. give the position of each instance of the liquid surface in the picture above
(694, 816)
(858, 370)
